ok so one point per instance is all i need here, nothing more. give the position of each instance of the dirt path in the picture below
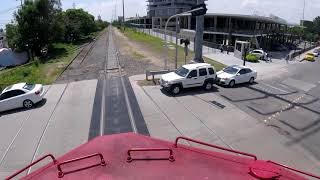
(135, 49)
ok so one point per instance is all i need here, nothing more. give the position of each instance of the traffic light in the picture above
(202, 10)
(186, 42)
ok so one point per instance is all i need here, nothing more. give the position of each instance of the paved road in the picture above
(290, 104)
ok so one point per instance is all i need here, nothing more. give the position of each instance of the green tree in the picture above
(101, 24)
(12, 36)
(35, 24)
(78, 24)
(316, 25)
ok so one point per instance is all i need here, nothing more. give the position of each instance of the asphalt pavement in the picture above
(209, 117)
(288, 103)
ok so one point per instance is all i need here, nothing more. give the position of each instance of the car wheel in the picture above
(232, 83)
(175, 89)
(208, 86)
(28, 104)
(251, 81)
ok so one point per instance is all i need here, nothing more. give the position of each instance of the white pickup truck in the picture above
(191, 75)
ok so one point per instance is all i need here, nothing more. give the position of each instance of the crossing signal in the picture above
(200, 10)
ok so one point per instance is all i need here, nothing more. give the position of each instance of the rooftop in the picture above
(272, 19)
(195, 66)
(14, 87)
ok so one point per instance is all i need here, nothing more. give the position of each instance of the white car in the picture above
(21, 95)
(316, 53)
(233, 75)
(191, 75)
(262, 55)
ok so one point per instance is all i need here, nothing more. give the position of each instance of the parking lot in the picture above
(58, 124)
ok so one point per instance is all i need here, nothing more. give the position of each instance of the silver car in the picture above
(262, 55)
(233, 75)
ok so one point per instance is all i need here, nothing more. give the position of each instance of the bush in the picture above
(252, 58)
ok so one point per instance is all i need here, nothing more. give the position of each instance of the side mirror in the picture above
(238, 74)
(189, 77)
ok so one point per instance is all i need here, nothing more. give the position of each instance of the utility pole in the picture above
(304, 8)
(199, 37)
(123, 20)
(177, 36)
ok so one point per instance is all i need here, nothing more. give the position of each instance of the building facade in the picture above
(226, 29)
(220, 29)
(167, 8)
(160, 10)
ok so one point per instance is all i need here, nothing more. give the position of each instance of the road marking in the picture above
(275, 88)
(15, 137)
(46, 127)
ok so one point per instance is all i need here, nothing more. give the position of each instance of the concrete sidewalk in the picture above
(208, 117)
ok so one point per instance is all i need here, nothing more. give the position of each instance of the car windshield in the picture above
(231, 70)
(182, 71)
(7, 88)
(28, 86)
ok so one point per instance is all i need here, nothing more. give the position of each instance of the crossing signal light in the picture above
(200, 10)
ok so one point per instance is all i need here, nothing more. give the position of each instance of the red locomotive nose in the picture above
(132, 156)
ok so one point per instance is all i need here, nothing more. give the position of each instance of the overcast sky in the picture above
(291, 10)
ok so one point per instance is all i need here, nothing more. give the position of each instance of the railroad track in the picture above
(116, 108)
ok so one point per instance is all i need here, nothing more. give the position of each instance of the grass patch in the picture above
(148, 83)
(157, 45)
(137, 55)
(43, 71)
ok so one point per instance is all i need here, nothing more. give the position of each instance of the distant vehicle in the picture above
(21, 95)
(233, 75)
(261, 54)
(309, 57)
(316, 52)
(191, 75)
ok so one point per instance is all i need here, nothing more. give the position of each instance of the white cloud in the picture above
(106, 8)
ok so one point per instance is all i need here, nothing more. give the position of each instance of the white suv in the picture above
(191, 75)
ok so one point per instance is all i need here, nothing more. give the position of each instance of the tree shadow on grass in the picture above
(53, 53)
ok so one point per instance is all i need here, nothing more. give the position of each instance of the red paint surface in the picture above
(189, 163)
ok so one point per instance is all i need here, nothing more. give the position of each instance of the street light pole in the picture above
(304, 8)
(199, 37)
(165, 33)
(123, 14)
